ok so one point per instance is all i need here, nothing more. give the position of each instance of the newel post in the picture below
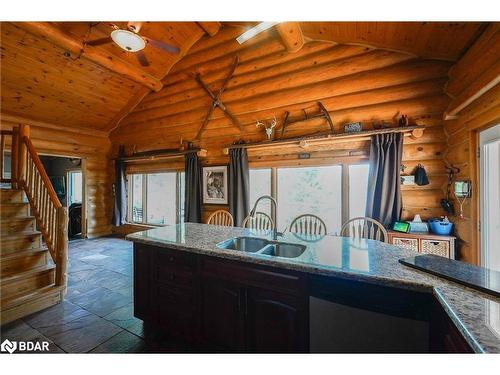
(61, 248)
(24, 131)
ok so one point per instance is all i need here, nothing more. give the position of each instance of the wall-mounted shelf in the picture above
(308, 142)
(162, 155)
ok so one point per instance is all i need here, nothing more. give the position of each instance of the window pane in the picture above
(358, 184)
(260, 184)
(161, 198)
(75, 194)
(137, 198)
(311, 190)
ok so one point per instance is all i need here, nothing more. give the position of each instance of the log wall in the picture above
(462, 143)
(354, 83)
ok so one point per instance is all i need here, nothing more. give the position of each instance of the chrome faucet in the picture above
(273, 213)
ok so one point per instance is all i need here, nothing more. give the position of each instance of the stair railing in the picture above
(50, 215)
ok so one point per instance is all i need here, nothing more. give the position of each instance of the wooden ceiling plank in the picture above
(291, 36)
(97, 55)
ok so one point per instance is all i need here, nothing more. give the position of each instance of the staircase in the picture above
(33, 252)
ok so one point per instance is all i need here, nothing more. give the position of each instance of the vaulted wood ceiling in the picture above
(42, 82)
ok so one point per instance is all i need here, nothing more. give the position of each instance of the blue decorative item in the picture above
(440, 227)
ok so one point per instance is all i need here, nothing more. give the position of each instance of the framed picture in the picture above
(215, 185)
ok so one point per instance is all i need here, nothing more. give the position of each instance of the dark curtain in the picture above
(239, 189)
(384, 202)
(120, 209)
(193, 192)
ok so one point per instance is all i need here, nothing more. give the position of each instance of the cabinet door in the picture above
(275, 322)
(222, 314)
(142, 285)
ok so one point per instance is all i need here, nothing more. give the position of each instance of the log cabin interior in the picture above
(251, 186)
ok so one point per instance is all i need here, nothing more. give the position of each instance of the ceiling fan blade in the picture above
(134, 26)
(142, 58)
(162, 45)
(100, 41)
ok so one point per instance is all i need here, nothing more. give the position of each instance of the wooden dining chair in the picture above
(364, 227)
(221, 218)
(261, 221)
(308, 224)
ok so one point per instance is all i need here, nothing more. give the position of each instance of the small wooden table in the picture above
(425, 243)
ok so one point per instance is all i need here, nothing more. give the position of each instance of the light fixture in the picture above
(257, 29)
(128, 40)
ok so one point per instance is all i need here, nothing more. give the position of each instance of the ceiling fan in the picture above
(130, 40)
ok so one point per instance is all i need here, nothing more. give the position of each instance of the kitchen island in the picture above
(251, 301)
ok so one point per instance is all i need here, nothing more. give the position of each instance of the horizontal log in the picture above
(318, 74)
(298, 97)
(272, 65)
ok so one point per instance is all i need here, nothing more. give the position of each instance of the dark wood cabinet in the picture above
(275, 322)
(142, 288)
(222, 314)
(242, 307)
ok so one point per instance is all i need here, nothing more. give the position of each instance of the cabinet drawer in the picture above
(436, 247)
(406, 243)
(175, 259)
(176, 276)
(253, 276)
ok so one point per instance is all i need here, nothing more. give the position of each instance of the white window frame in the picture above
(130, 198)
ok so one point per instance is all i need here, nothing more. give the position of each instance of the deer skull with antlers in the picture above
(269, 127)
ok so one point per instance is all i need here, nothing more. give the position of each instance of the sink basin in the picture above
(285, 250)
(248, 244)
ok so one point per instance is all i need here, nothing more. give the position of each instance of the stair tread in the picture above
(23, 253)
(21, 234)
(33, 271)
(17, 218)
(14, 203)
(18, 299)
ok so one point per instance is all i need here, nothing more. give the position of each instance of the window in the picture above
(260, 184)
(312, 190)
(75, 187)
(315, 190)
(156, 198)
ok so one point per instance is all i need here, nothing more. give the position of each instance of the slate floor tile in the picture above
(82, 334)
(124, 342)
(20, 331)
(123, 317)
(101, 301)
(63, 312)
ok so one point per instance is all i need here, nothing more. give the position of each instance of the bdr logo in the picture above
(24, 346)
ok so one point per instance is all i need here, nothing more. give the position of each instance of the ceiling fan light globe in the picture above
(128, 40)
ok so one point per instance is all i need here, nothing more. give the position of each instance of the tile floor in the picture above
(97, 313)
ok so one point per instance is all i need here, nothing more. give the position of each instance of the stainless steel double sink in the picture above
(263, 246)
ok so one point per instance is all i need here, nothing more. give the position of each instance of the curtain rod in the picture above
(414, 131)
(164, 155)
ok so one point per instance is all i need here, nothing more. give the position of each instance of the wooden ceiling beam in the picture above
(97, 55)
(211, 28)
(475, 73)
(291, 35)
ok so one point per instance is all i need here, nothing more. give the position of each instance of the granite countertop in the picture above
(475, 314)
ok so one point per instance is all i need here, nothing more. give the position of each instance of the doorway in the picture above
(489, 174)
(67, 178)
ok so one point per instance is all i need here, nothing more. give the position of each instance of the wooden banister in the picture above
(50, 215)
